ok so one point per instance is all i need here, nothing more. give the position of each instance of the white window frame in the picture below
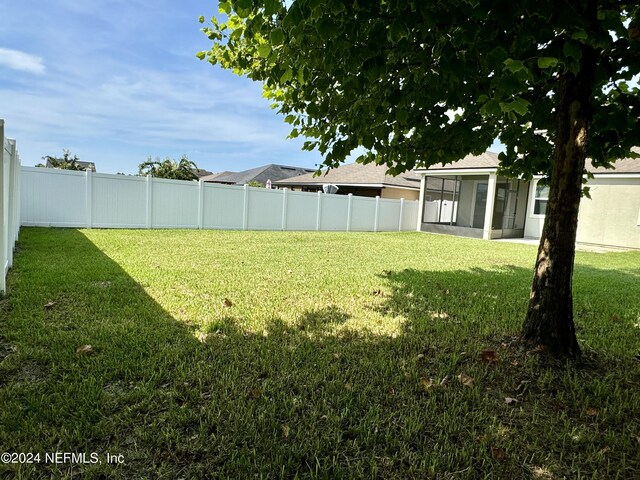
(533, 201)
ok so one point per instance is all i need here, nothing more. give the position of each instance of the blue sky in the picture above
(116, 81)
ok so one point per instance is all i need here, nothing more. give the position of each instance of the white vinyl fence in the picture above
(9, 204)
(61, 198)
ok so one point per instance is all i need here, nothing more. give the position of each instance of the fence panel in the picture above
(389, 216)
(53, 198)
(118, 202)
(334, 213)
(264, 209)
(174, 204)
(65, 198)
(9, 204)
(409, 215)
(223, 206)
(363, 213)
(302, 211)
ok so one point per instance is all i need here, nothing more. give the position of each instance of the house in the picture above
(260, 175)
(368, 180)
(486, 205)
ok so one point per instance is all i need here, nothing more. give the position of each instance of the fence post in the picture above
(349, 204)
(11, 183)
(149, 200)
(88, 192)
(319, 210)
(16, 203)
(3, 225)
(245, 208)
(284, 209)
(200, 204)
(375, 221)
(401, 213)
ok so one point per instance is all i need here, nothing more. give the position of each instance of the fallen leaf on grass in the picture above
(85, 350)
(348, 386)
(592, 412)
(427, 383)
(391, 391)
(445, 380)
(498, 453)
(490, 357)
(465, 380)
(255, 393)
(49, 306)
(285, 431)
(441, 315)
(510, 401)
(227, 303)
(203, 337)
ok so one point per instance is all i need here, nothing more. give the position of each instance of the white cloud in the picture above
(24, 62)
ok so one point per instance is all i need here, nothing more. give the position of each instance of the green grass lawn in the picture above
(309, 355)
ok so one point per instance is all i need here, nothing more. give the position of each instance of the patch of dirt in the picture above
(32, 372)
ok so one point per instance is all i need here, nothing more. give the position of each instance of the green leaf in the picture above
(397, 31)
(224, 7)
(492, 107)
(326, 28)
(201, 19)
(402, 116)
(264, 50)
(547, 62)
(287, 76)
(271, 7)
(290, 119)
(580, 35)
(519, 106)
(277, 37)
(368, 141)
(514, 66)
(337, 7)
(201, 55)
(572, 49)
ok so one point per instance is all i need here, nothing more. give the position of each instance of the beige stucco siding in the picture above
(398, 193)
(610, 217)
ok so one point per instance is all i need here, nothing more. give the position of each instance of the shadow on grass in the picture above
(293, 400)
(483, 303)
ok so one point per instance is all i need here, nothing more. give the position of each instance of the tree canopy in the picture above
(66, 162)
(386, 75)
(418, 82)
(184, 169)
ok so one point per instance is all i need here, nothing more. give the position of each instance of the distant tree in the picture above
(253, 183)
(40, 165)
(66, 162)
(184, 169)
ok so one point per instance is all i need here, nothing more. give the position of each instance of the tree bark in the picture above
(549, 320)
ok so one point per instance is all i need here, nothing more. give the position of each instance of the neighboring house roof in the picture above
(208, 178)
(489, 160)
(201, 172)
(82, 165)
(260, 174)
(624, 165)
(357, 174)
(485, 160)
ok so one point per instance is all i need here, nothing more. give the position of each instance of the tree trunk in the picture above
(549, 319)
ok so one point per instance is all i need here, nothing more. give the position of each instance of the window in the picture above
(540, 199)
